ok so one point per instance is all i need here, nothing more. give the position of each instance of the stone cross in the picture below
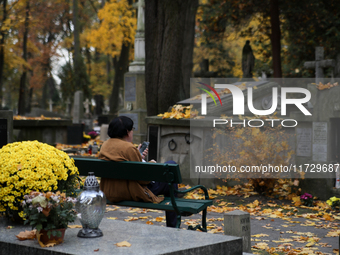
(50, 102)
(319, 64)
(140, 18)
(87, 106)
(138, 63)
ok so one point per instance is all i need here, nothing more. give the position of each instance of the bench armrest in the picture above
(193, 188)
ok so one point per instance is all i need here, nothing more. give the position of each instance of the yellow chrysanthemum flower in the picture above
(32, 165)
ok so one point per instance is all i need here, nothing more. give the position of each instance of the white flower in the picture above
(39, 209)
(23, 203)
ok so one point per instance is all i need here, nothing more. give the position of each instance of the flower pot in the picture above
(45, 239)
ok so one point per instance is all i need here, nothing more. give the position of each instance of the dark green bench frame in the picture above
(143, 171)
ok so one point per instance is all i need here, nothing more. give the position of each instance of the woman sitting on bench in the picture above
(120, 148)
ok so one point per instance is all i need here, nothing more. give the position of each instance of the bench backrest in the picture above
(128, 170)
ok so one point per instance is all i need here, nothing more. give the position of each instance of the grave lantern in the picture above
(91, 204)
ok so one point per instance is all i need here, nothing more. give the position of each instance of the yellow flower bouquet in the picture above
(32, 165)
(334, 202)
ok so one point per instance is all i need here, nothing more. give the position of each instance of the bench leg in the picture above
(203, 228)
(179, 220)
(204, 220)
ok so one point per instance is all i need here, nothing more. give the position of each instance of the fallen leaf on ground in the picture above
(333, 233)
(259, 235)
(261, 246)
(123, 244)
(24, 235)
(74, 226)
(131, 219)
(112, 218)
(160, 219)
(110, 209)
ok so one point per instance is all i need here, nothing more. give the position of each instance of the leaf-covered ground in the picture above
(278, 225)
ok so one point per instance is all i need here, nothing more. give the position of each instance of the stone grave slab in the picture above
(144, 239)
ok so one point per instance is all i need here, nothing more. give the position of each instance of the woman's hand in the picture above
(145, 152)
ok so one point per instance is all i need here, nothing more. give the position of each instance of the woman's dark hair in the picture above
(119, 127)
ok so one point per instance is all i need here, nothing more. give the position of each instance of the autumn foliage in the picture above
(253, 147)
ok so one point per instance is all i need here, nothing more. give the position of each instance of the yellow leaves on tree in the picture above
(117, 26)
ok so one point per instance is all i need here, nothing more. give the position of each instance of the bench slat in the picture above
(184, 205)
(127, 170)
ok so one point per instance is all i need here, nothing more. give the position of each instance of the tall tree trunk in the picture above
(76, 54)
(89, 60)
(108, 69)
(75, 20)
(2, 49)
(81, 79)
(21, 105)
(120, 67)
(275, 37)
(164, 34)
(188, 46)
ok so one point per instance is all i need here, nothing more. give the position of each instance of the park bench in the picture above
(143, 171)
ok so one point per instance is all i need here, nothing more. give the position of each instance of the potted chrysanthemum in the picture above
(334, 203)
(33, 166)
(49, 213)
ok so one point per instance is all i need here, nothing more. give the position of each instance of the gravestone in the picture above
(78, 107)
(50, 103)
(318, 140)
(237, 223)
(304, 142)
(68, 104)
(75, 131)
(6, 127)
(319, 64)
(99, 99)
(103, 132)
(87, 116)
(134, 82)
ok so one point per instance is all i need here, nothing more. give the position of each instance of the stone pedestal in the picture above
(135, 104)
(78, 107)
(237, 223)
